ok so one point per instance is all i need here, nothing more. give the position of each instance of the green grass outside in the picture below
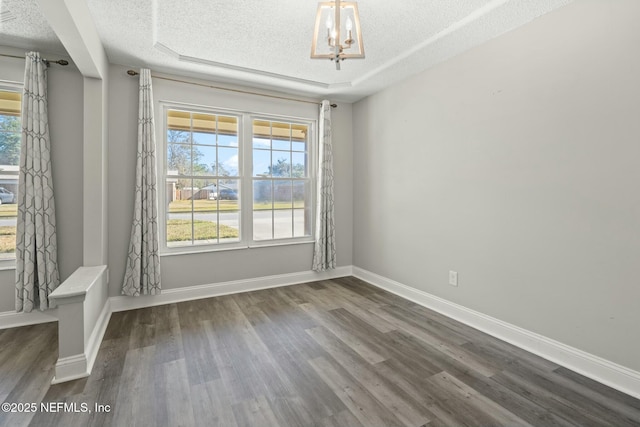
(178, 206)
(179, 230)
(278, 205)
(7, 239)
(183, 206)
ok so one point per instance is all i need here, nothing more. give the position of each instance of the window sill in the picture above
(268, 244)
(9, 264)
(272, 243)
(205, 249)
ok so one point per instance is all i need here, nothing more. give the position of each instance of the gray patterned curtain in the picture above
(36, 248)
(324, 254)
(142, 275)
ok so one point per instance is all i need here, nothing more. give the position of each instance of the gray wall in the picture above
(516, 164)
(212, 267)
(65, 127)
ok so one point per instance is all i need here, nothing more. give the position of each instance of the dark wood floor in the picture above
(330, 353)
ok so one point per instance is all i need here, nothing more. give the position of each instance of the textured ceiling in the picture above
(23, 26)
(267, 43)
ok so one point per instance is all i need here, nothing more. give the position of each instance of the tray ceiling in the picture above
(267, 43)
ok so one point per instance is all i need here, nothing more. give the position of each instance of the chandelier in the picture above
(337, 33)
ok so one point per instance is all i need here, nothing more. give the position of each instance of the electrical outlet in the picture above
(453, 278)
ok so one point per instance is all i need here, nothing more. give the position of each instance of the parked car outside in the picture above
(228, 194)
(6, 196)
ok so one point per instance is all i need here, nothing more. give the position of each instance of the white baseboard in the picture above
(604, 371)
(11, 319)
(71, 368)
(170, 296)
(80, 365)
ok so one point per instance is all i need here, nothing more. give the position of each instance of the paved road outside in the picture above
(8, 221)
(282, 221)
(262, 221)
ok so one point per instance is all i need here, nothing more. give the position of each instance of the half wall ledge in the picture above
(83, 316)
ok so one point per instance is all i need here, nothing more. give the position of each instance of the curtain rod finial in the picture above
(132, 72)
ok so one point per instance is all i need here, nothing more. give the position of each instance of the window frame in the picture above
(11, 86)
(245, 177)
(310, 176)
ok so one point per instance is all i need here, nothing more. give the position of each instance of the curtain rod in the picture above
(62, 62)
(135, 73)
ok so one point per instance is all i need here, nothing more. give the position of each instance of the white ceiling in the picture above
(267, 43)
(23, 26)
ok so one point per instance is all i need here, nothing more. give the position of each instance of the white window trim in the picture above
(245, 164)
(10, 86)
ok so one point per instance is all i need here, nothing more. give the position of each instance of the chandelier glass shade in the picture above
(337, 34)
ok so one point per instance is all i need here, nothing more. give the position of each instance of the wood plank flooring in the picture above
(331, 353)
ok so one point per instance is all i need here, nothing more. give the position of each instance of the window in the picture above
(202, 179)
(233, 179)
(10, 135)
(281, 185)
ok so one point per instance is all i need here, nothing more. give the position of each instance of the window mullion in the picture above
(193, 228)
(216, 172)
(273, 189)
(218, 207)
(291, 182)
(245, 144)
